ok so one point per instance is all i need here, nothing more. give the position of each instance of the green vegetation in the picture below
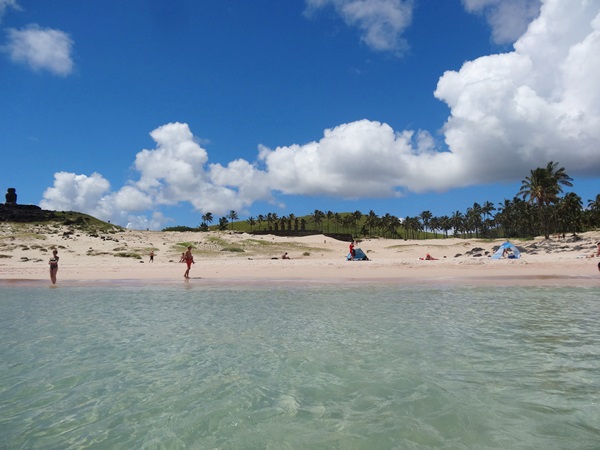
(180, 228)
(128, 255)
(86, 223)
(537, 209)
(92, 252)
(20, 232)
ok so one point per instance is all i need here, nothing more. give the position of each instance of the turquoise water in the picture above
(355, 367)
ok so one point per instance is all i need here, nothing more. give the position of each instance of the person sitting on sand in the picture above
(285, 256)
(53, 266)
(597, 252)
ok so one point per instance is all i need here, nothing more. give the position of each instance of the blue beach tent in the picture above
(516, 254)
(359, 255)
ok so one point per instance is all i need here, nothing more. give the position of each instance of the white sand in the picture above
(25, 250)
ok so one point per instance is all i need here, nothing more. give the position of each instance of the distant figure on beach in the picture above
(597, 252)
(428, 257)
(352, 252)
(53, 266)
(599, 267)
(189, 260)
(151, 255)
(182, 259)
(285, 256)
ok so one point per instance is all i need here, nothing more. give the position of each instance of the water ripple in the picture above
(317, 367)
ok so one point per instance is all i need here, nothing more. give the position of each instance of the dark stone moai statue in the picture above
(11, 196)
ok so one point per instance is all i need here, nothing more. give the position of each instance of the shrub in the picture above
(128, 255)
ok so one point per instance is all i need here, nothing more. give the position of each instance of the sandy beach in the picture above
(230, 257)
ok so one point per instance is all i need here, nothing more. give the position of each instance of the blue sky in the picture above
(150, 113)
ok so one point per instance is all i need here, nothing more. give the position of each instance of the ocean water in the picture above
(317, 367)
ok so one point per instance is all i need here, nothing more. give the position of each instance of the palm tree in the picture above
(594, 207)
(260, 219)
(473, 220)
(251, 221)
(458, 222)
(392, 225)
(434, 225)
(329, 217)
(271, 219)
(337, 220)
(207, 218)
(569, 213)
(275, 219)
(445, 225)
(371, 221)
(232, 216)
(542, 188)
(425, 218)
(318, 217)
(357, 216)
(223, 222)
(411, 225)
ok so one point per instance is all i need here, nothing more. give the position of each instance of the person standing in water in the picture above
(189, 260)
(53, 266)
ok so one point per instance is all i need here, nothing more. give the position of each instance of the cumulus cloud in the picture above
(508, 18)
(77, 192)
(381, 22)
(538, 103)
(175, 171)
(359, 159)
(41, 49)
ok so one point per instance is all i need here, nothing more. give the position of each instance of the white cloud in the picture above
(141, 222)
(358, 159)
(508, 18)
(381, 22)
(177, 170)
(41, 49)
(518, 110)
(5, 4)
(73, 192)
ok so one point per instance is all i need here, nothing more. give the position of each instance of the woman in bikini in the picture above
(53, 266)
(189, 260)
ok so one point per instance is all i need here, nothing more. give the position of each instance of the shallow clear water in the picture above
(360, 367)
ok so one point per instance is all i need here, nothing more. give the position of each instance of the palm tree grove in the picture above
(539, 208)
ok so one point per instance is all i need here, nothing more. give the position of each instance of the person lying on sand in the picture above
(428, 257)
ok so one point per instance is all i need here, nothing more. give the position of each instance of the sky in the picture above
(151, 113)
